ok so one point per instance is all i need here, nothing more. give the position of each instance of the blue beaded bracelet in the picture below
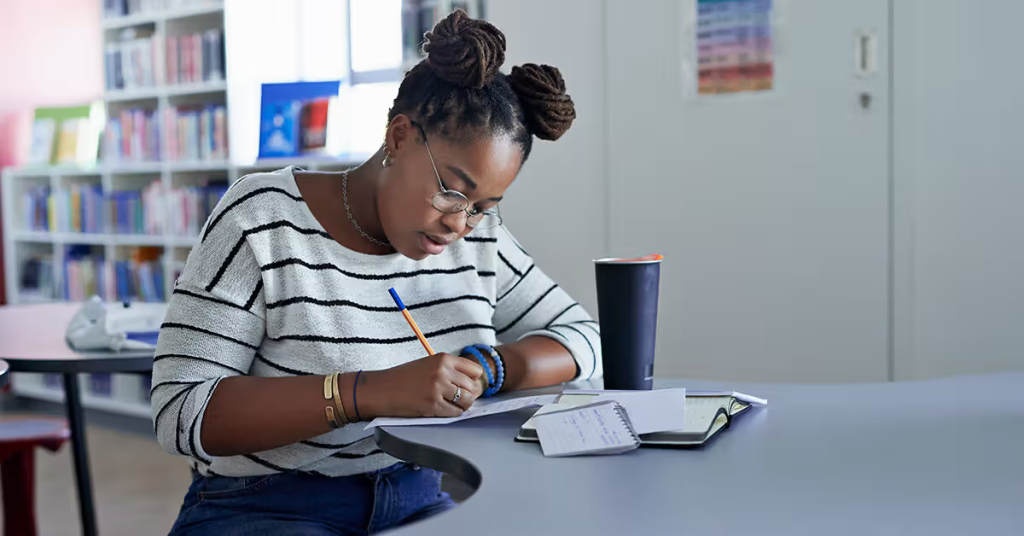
(500, 375)
(471, 350)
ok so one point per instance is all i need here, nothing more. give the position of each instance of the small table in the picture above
(935, 457)
(32, 340)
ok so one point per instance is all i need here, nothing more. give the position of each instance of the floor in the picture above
(138, 487)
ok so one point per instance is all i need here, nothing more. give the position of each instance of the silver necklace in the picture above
(344, 200)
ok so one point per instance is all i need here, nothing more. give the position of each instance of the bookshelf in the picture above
(145, 92)
(420, 16)
(126, 394)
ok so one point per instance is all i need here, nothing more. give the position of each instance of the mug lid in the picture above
(646, 259)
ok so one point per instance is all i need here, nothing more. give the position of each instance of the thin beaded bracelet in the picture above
(501, 364)
(471, 350)
(499, 380)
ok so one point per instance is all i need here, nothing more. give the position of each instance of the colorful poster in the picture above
(293, 120)
(734, 46)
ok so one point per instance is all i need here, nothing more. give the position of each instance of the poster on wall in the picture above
(293, 118)
(734, 46)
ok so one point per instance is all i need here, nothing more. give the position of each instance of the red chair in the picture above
(19, 437)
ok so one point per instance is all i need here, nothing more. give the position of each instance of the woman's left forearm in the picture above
(536, 362)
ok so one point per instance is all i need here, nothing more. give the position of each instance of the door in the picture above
(771, 208)
(960, 260)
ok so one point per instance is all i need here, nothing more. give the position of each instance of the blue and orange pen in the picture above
(412, 323)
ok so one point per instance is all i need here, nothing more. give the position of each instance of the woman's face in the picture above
(480, 169)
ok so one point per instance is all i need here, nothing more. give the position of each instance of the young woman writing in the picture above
(281, 331)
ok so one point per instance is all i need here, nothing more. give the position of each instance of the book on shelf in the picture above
(153, 210)
(101, 384)
(82, 272)
(140, 278)
(125, 213)
(189, 208)
(195, 58)
(44, 130)
(196, 133)
(36, 208)
(53, 381)
(133, 61)
(36, 277)
(132, 135)
(80, 208)
(64, 135)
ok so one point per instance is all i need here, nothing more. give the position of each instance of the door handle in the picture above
(865, 53)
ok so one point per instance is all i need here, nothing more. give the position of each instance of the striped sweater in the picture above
(268, 293)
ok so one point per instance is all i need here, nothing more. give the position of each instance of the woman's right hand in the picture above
(421, 388)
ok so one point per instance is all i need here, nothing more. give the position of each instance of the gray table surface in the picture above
(943, 456)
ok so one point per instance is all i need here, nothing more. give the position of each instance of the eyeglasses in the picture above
(452, 202)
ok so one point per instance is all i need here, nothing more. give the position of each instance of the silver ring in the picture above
(458, 395)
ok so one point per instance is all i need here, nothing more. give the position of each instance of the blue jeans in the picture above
(297, 504)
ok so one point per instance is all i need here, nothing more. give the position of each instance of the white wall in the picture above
(557, 205)
(788, 275)
(771, 208)
(960, 188)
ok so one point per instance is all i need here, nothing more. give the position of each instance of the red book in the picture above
(172, 60)
(185, 60)
(126, 134)
(197, 57)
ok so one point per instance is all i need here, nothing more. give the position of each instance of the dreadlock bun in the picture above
(463, 51)
(541, 90)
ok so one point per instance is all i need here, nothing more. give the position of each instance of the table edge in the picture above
(429, 456)
(85, 363)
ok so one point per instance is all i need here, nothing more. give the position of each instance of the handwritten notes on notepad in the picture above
(479, 409)
(600, 428)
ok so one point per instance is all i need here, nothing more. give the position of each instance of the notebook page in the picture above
(592, 429)
(701, 411)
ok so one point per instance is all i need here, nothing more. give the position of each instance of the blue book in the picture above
(122, 213)
(122, 280)
(101, 384)
(158, 280)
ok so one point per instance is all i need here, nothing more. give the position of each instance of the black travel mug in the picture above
(627, 303)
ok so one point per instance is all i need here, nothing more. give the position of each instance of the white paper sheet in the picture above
(479, 409)
(659, 410)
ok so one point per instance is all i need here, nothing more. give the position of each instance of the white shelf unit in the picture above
(194, 9)
(127, 395)
(19, 242)
(413, 12)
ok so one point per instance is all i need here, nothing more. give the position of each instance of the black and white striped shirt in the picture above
(268, 293)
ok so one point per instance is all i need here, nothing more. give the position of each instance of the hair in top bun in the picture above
(458, 91)
(463, 51)
(541, 90)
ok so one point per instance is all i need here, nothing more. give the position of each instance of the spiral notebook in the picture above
(600, 428)
(707, 414)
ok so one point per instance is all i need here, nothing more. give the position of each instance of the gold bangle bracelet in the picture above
(338, 406)
(327, 387)
(330, 417)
